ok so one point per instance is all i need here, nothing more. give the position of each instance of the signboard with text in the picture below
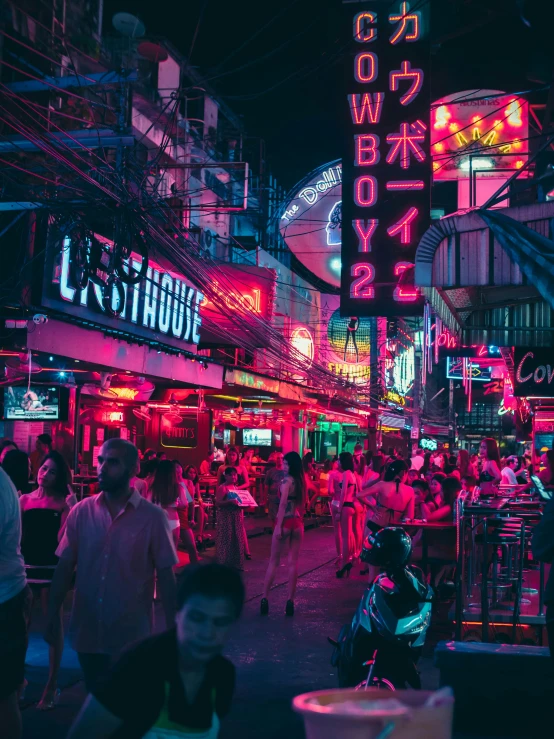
(386, 160)
(533, 372)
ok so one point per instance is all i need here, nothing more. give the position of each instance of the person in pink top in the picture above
(117, 541)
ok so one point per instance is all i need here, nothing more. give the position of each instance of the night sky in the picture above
(289, 91)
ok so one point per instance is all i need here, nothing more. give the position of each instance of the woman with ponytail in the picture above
(391, 500)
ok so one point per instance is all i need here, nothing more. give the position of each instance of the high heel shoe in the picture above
(289, 608)
(344, 570)
(46, 704)
(264, 607)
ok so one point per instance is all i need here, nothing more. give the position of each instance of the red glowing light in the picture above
(406, 73)
(476, 119)
(363, 32)
(366, 67)
(405, 185)
(367, 149)
(516, 143)
(442, 116)
(403, 226)
(361, 286)
(369, 105)
(439, 147)
(519, 164)
(406, 141)
(364, 231)
(405, 20)
(453, 127)
(365, 191)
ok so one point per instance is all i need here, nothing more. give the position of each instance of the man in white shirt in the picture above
(417, 460)
(15, 598)
(508, 473)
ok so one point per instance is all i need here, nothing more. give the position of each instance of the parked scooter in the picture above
(382, 645)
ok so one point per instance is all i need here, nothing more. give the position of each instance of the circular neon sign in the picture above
(311, 222)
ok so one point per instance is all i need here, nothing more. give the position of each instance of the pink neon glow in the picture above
(405, 20)
(367, 149)
(364, 231)
(366, 67)
(361, 287)
(406, 141)
(369, 105)
(405, 185)
(365, 191)
(363, 32)
(403, 226)
(403, 294)
(400, 267)
(406, 73)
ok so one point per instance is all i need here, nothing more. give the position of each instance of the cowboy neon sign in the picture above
(448, 341)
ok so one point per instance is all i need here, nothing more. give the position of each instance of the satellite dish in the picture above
(153, 52)
(142, 413)
(128, 25)
(21, 365)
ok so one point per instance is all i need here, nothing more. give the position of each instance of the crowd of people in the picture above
(114, 547)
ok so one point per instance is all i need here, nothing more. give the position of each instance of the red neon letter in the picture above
(405, 293)
(366, 67)
(405, 142)
(363, 32)
(400, 267)
(364, 231)
(361, 287)
(367, 149)
(365, 106)
(405, 20)
(403, 226)
(365, 191)
(406, 73)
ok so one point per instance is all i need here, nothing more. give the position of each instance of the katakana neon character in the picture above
(409, 25)
(406, 141)
(406, 73)
(403, 226)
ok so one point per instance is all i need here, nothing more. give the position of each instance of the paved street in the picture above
(276, 657)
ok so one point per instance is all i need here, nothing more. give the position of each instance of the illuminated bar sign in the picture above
(534, 372)
(386, 162)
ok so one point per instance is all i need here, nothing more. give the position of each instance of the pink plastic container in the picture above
(324, 719)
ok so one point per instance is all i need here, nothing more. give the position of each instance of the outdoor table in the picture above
(427, 527)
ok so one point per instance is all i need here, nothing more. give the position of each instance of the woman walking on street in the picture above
(230, 534)
(289, 528)
(40, 535)
(347, 510)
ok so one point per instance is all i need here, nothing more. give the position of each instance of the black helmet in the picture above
(390, 547)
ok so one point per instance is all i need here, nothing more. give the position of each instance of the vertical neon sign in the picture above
(386, 162)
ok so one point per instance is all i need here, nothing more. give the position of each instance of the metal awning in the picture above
(490, 274)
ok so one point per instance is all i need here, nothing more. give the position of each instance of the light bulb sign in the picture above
(386, 159)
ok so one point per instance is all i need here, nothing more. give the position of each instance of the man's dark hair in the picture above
(212, 581)
(229, 470)
(45, 439)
